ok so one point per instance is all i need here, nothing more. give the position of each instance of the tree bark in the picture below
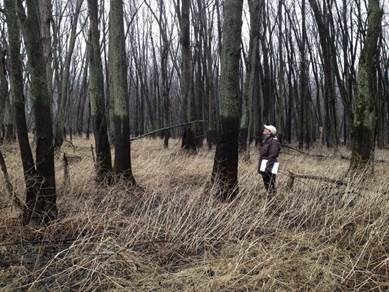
(119, 91)
(188, 139)
(45, 208)
(225, 168)
(363, 138)
(3, 93)
(251, 75)
(96, 93)
(19, 103)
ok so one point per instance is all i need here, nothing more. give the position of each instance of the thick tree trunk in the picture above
(225, 168)
(96, 93)
(45, 205)
(118, 91)
(363, 138)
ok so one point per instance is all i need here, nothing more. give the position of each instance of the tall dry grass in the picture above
(172, 235)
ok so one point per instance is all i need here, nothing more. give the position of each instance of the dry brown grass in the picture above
(173, 235)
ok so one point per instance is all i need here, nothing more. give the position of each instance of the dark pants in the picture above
(269, 180)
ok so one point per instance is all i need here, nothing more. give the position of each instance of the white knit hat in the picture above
(271, 128)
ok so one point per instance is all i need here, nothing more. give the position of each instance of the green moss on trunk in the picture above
(363, 140)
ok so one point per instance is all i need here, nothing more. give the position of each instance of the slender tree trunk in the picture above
(20, 116)
(304, 135)
(225, 168)
(4, 96)
(188, 139)
(65, 87)
(83, 96)
(211, 134)
(97, 101)
(251, 76)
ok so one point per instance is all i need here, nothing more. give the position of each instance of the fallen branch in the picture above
(305, 153)
(293, 176)
(326, 156)
(165, 129)
(376, 161)
(8, 184)
(71, 145)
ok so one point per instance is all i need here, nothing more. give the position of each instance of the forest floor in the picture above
(172, 235)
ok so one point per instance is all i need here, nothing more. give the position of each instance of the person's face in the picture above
(266, 132)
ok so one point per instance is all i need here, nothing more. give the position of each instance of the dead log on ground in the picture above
(293, 176)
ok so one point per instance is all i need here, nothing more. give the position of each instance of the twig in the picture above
(166, 128)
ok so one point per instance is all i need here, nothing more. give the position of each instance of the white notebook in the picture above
(274, 170)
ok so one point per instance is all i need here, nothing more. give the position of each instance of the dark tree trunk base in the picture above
(9, 133)
(243, 134)
(166, 137)
(122, 164)
(211, 138)
(189, 140)
(225, 168)
(362, 149)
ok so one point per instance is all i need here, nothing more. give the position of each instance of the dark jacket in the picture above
(270, 149)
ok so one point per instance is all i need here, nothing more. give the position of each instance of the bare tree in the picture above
(65, 86)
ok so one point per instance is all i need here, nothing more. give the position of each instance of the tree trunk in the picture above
(96, 93)
(304, 133)
(225, 168)
(45, 205)
(45, 7)
(363, 139)
(20, 117)
(118, 91)
(188, 139)
(3, 93)
(251, 75)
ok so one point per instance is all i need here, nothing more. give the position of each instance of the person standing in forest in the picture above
(268, 163)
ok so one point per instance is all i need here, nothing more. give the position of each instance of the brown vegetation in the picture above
(172, 234)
